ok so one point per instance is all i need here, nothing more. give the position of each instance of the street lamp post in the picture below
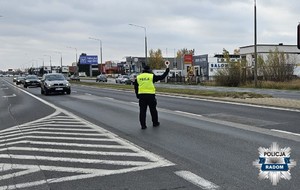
(145, 39)
(50, 63)
(255, 46)
(76, 60)
(100, 53)
(76, 53)
(60, 59)
(43, 64)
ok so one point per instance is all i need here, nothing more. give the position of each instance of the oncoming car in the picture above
(20, 80)
(55, 83)
(31, 80)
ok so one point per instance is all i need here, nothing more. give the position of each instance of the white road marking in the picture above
(187, 113)
(286, 132)
(4, 88)
(70, 151)
(77, 160)
(9, 96)
(26, 132)
(65, 133)
(47, 129)
(109, 98)
(197, 180)
(58, 138)
(63, 144)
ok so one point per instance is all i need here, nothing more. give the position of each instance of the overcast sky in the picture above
(31, 29)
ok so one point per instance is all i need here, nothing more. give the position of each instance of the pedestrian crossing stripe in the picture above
(64, 133)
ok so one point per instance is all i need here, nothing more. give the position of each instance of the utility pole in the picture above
(100, 54)
(255, 45)
(145, 30)
(60, 59)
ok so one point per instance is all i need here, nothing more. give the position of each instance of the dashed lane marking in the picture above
(286, 132)
(9, 96)
(197, 180)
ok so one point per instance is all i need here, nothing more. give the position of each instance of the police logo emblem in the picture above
(274, 163)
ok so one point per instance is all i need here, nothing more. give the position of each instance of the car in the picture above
(20, 79)
(125, 80)
(15, 79)
(74, 78)
(31, 80)
(121, 79)
(132, 78)
(101, 78)
(55, 83)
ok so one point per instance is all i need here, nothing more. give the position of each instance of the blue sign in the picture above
(88, 60)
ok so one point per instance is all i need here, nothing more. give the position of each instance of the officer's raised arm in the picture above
(161, 77)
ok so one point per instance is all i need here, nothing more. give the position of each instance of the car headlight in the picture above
(48, 84)
(67, 84)
(27, 81)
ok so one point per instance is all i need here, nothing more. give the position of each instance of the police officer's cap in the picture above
(147, 68)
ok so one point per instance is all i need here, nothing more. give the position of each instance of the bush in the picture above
(277, 67)
(230, 75)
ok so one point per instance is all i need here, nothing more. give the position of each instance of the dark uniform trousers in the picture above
(144, 101)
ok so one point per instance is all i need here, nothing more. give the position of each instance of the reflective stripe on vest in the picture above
(145, 81)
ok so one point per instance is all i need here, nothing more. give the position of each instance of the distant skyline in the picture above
(31, 29)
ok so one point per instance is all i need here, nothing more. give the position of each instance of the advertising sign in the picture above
(188, 59)
(88, 59)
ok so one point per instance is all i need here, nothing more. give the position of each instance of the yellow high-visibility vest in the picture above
(145, 81)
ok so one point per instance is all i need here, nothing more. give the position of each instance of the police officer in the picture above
(145, 92)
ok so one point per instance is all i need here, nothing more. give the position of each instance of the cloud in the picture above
(33, 28)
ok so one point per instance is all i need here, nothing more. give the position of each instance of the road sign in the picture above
(167, 63)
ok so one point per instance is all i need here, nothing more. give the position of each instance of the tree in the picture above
(156, 60)
(185, 51)
(230, 75)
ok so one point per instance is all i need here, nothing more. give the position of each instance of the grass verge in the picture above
(290, 85)
(206, 93)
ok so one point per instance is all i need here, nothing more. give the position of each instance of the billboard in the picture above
(88, 59)
(188, 58)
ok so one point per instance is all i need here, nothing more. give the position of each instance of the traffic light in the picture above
(298, 36)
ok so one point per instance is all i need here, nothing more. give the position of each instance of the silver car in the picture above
(101, 78)
(55, 83)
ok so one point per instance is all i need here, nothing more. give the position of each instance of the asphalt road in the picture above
(91, 139)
